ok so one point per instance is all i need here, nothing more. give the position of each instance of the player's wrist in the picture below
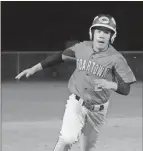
(36, 68)
(114, 86)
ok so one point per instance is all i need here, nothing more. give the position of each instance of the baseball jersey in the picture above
(91, 65)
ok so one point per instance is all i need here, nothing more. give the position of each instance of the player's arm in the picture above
(58, 58)
(124, 76)
(123, 87)
(105, 84)
(119, 87)
(69, 53)
(30, 71)
(48, 62)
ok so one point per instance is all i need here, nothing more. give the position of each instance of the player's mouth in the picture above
(100, 42)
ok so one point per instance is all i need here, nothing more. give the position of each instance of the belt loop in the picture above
(77, 97)
(101, 107)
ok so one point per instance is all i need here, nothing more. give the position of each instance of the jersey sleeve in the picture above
(70, 52)
(122, 71)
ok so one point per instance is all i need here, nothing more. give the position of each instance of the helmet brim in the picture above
(103, 27)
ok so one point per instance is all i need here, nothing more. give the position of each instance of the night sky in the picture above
(48, 25)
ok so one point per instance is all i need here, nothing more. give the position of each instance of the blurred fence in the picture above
(14, 62)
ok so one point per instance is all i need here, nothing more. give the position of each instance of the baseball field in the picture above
(32, 115)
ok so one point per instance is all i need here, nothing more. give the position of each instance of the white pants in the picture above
(80, 124)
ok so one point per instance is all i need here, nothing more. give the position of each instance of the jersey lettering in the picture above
(100, 71)
(93, 64)
(96, 68)
(84, 65)
(88, 66)
(92, 67)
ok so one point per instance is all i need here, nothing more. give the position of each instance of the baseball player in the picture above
(100, 68)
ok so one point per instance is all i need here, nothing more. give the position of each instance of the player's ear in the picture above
(111, 35)
(92, 31)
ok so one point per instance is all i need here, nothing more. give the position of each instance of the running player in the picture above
(99, 69)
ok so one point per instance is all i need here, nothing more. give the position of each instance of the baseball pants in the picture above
(80, 124)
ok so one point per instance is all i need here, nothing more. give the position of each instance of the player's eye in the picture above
(98, 31)
(106, 32)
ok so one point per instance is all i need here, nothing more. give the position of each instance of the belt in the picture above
(100, 107)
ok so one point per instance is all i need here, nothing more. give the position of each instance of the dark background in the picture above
(47, 25)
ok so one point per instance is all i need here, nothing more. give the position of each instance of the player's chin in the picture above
(101, 46)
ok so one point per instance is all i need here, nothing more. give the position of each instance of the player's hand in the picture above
(27, 73)
(105, 84)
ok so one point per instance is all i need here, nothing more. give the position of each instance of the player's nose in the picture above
(101, 35)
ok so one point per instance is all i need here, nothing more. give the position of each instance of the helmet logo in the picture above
(104, 20)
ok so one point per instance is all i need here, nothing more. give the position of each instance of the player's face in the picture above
(101, 39)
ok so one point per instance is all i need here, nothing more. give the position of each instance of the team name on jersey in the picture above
(92, 67)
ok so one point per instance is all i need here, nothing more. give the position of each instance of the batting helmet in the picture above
(105, 21)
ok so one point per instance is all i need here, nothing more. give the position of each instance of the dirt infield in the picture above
(32, 113)
(120, 134)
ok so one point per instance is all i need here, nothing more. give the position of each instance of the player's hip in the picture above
(95, 118)
(93, 107)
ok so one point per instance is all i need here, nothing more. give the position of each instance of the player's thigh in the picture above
(73, 120)
(92, 127)
(89, 133)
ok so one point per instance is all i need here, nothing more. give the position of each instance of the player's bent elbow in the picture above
(126, 92)
(123, 92)
(123, 88)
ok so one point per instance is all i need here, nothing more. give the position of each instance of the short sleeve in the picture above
(70, 52)
(123, 71)
(77, 46)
